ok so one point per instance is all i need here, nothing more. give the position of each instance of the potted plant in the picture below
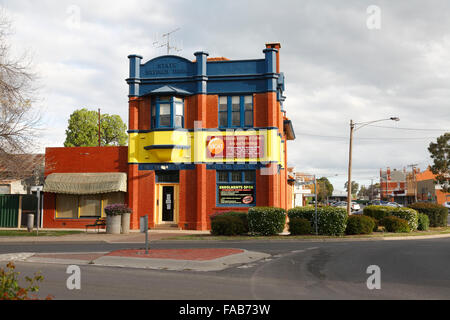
(114, 214)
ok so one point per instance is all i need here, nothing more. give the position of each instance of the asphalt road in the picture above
(411, 269)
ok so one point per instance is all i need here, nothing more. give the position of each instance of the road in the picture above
(410, 269)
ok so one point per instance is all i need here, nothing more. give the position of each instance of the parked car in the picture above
(341, 204)
(355, 206)
(393, 204)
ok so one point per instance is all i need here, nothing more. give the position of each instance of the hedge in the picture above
(299, 226)
(239, 214)
(381, 212)
(358, 224)
(227, 226)
(424, 222)
(331, 221)
(395, 224)
(266, 221)
(436, 213)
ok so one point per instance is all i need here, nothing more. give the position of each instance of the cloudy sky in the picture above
(340, 61)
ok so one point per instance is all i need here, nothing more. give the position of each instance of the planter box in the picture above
(126, 223)
(113, 224)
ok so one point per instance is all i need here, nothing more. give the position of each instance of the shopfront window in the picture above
(235, 111)
(236, 188)
(167, 112)
(85, 206)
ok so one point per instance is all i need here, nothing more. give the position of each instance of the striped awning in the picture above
(86, 183)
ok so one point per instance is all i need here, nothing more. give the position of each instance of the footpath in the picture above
(212, 259)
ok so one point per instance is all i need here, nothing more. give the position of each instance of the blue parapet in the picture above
(201, 71)
(135, 75)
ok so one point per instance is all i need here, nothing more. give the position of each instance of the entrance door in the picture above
(168, 203)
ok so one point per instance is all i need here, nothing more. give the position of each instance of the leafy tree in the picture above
(440, 155)
(355, 187)
(83, 130)
(324, 189)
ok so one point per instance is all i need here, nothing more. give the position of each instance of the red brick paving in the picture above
(177, 254)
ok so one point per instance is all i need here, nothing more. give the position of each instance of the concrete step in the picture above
(166, 227)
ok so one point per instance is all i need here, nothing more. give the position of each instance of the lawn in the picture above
(431, 231)
(44, 233)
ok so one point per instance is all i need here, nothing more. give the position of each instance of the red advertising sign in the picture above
(235, 147)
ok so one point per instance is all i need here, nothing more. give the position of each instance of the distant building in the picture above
(428, 190)
(20, 172)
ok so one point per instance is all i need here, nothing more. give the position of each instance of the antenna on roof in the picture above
(167, 43)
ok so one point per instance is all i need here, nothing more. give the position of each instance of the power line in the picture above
(412, 129)
(365, 138)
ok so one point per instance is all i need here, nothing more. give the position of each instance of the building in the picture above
(21, 171)
(205, 136)
(428, 190)
(393, 185)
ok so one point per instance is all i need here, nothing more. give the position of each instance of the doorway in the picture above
(166, 210)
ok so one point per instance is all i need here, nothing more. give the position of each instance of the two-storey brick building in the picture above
(205, 136)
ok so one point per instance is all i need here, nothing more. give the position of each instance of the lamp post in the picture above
(354, 127)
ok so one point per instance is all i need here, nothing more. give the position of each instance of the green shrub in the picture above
(377, 212)
(266, 221)
(376, 224)
(330, 220)
(358, 224)
(408, 214)
(302, 212)
(227, 226)
(395, 224)
(380, 212)
(241, 215)
(424, 222)
(436, 213)
(299, 226)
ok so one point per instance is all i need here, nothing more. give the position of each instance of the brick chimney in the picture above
(275, 45)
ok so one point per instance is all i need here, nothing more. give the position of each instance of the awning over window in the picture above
(86, 183)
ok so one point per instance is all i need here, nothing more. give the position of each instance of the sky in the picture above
(343, 60)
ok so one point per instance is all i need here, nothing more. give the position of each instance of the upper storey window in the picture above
(167, 112)
(236, 112)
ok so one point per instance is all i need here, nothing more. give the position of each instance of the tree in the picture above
(19, 120)
(440, 155)
(355, 187)
(83, 130)
(324, 189)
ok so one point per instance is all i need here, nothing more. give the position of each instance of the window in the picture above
(167, 112)
(236, 188)
(235, 111)
(85, 206)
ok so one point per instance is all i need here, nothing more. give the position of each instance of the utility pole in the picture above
(349, 183)
(99, 124)
(413, 167)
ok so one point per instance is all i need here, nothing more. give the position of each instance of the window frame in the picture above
(242, 111)
(156, 108)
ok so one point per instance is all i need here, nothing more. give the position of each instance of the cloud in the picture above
(336, 68)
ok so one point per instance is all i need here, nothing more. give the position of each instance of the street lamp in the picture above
(354, 127)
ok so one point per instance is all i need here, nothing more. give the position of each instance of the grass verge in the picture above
(375, 235)
(23, 233)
